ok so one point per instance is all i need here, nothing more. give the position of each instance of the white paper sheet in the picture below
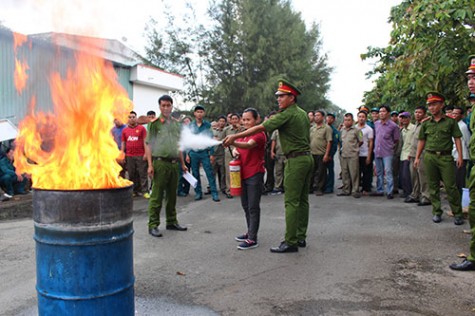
(191, 180)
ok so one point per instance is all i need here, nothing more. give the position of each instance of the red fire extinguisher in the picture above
(235, 177)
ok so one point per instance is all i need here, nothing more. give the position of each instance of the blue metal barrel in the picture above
(84, 251)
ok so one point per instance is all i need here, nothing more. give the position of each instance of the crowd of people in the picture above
(292, 152)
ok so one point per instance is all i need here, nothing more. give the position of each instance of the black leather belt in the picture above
(170, 160)
(439, 153)
(297, 154)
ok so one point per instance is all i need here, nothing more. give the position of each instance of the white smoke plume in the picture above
(188, 140)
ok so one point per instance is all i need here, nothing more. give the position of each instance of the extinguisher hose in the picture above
(231, 152)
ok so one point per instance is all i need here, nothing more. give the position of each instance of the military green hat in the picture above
(434, 96)
(471, 65)
(394, 113)
(375, 110)
(331, 114)
(285, 87)
(471, 96)
(198, 107)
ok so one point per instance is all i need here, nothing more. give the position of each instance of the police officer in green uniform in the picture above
(163, 157)
(435, 138)
(469, 263)
(294, 131)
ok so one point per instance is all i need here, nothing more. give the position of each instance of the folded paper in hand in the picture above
(192, 180)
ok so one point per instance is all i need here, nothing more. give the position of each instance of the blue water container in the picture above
(84, 252)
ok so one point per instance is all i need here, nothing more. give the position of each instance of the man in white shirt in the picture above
(365, 161)
(461, 173)
(407, 136)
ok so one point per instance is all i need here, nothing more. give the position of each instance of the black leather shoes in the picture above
(437, 218)
(284, 247)
(463, 266)
(155, 232)
(390, 196)
(343, 194)
(229, 196)
(302, 243)
(423, 203)
(176, 227)
(410, 199)
(458, 221)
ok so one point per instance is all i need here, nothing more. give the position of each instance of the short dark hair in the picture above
(421, 107)
(133, 112)
(165, 97)
(319, 111)
(349, 115)
(364, 112)
(459, 108)
(449, 107)
(222, 117)
(151, 113)
(235, 114)
(313, 112)
(254, 112)
(385, 106)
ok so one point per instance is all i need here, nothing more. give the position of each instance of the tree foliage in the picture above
(249, 45)
(430, 43)
(174, 48)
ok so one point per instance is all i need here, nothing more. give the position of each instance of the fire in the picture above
(20, 75)
(18, 40)
(72, 148)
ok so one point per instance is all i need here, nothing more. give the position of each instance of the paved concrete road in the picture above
(367, 256)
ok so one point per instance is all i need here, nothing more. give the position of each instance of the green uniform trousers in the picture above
(297, 175)
(471, 213)
(441, 167)
(165, 183)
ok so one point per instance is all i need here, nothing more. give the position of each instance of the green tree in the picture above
(236, 60)
(252, 45)
(174, 49)
(430, 42)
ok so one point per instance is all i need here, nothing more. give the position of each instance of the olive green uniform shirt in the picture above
(350, 142)
(438, 135)
(319, 138)
(294, 129)
(219, 135)
(277, 148)
(163, 137)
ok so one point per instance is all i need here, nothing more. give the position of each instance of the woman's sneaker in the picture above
(241, 238)
(248, 244)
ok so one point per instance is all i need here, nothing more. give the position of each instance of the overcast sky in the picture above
(347, 28)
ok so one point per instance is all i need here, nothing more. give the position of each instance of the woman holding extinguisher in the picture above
(250, 151)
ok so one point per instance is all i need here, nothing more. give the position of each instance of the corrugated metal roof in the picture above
(109, 49)
(42, 57)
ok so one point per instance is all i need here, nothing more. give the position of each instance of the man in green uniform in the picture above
(435, 138)
(163, 157)
(294, 131)
(469, 263)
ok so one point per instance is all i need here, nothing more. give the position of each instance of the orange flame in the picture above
(18, 40)
(20, 76)
(73, 148)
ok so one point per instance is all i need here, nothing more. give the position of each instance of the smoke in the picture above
(188, 140)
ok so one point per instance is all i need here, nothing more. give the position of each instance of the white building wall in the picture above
(149, 84)
(146, 98)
